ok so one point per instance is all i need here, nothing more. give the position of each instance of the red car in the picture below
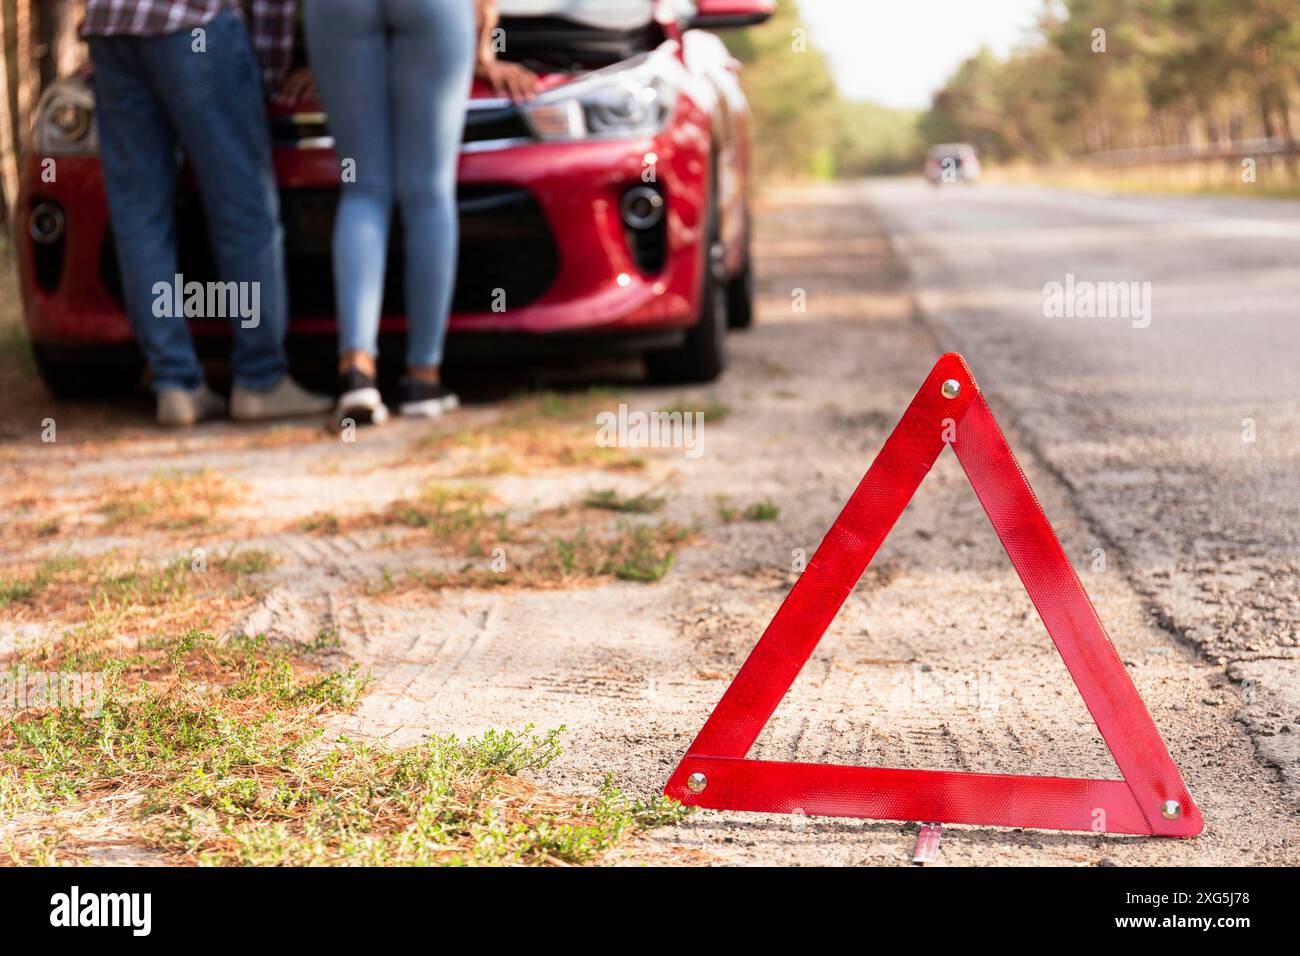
(609, 213)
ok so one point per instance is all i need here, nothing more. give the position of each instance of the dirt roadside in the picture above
(937, 660)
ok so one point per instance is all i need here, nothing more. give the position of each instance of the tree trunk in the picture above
(8, 122)
(24, 78)
(58, 49)
(38, 43)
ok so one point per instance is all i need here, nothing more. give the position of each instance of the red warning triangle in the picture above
(1151, 799)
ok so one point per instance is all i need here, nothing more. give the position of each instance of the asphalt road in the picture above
(1176, 427)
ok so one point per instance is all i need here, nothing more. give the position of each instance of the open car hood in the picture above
(598, 14)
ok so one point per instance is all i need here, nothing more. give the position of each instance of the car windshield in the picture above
(602, 14)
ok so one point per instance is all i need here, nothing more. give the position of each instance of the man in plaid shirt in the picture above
(185, 74)
(270, 23)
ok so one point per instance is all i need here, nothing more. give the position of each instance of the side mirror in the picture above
(722, 14)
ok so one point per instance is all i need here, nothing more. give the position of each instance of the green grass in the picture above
(246, 561)
(143, 585)
(322, 522)
(633, 552)
(609, 499)
(449, 513)
(763, 510)
(713, 409)
(644, 553)
(529, 409)
(19, 590)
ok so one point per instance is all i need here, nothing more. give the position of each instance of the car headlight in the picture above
(621, 102)
(65, 120)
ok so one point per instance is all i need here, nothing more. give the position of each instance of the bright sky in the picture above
(898, 52)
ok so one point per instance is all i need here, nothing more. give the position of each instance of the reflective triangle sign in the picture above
(1150, 799)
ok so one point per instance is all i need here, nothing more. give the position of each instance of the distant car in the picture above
(608, 214)
(952, 163)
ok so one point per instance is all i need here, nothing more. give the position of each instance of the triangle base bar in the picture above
(880, 793)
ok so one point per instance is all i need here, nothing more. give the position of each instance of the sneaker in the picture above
(359, 399)
(285, 399)
(182, 407)
(426, 399)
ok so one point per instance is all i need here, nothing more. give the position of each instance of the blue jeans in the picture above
(394, 77)
(154, 94)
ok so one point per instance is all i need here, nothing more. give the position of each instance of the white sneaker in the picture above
(180, 407)
(426, 399)
(359, 400)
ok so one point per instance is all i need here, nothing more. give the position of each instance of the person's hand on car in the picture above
(508, 79)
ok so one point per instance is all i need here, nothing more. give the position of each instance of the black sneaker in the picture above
(359, 399)
(426, 399)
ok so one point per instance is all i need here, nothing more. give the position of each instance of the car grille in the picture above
(507, 253)
(482, 124)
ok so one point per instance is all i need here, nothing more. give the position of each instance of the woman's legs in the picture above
(430, 65)
(348, 49)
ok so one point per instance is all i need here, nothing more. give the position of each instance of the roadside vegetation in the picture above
(196, 748)
(805, 126)
(1098, 76)
(555, 559)
(1120, 74)
(609, 499)
(758, 511)
(215, 752)
(17, 366)
(534, 430)
(95, 606)
(167, 501)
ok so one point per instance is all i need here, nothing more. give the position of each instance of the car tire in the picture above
(83, 373)
(740, 294)
(703, 355)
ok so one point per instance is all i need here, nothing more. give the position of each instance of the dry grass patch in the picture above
(643, 553)
(29, 509)
(104, 602)
(21, 587)
(454, 514)
(610, 499)
(168, 501)
(482, 546)
(537, 430)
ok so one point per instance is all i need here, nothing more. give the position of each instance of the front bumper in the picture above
(544, 249)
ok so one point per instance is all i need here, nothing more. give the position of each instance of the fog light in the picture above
(642, 207)
(46, 223)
